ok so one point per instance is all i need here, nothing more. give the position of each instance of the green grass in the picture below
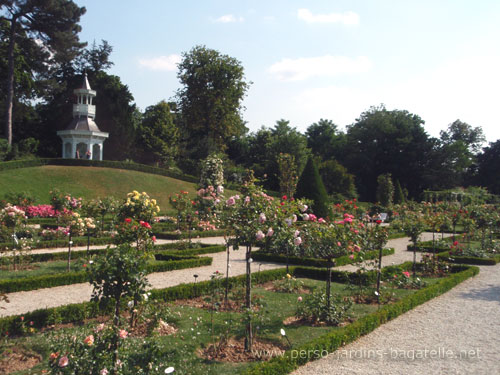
(90, 182)
(194, 326)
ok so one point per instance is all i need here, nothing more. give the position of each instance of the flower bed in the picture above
(194, 324)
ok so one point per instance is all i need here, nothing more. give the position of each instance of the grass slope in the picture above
(90, 182)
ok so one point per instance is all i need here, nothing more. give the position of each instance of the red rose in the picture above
(128, 220)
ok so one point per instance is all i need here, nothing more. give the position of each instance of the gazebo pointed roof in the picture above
(85, 84)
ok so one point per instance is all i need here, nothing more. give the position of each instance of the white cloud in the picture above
(166, 63)
(229, 18)
(346, 18)
(323, 66)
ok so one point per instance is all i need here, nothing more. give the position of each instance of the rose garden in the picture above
(258, 321)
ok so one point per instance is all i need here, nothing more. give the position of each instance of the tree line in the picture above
(43, 61)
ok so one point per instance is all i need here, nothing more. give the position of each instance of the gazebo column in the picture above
(73, 149)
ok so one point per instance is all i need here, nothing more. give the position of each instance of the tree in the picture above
(311, 186)
(116, 113)
(458, 148)
(325, 140)
(459, 131)
(489, 173)
(383, 141)
(385, 190)
(210, 100)
(158, 136)
(53, 24)
(287, 174)
(338, 182)
(399, 196)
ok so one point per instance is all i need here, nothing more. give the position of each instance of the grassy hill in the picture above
(90, 182)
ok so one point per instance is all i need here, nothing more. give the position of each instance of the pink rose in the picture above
(63, 361)
(305, 217)
(259, 235)
(89, 340)
(123, 334)
(297, 233)
(270, 232)
(231, 201)
(104, 371)
(339, 244)
(262, 218)
(299, 299)
(297, 241)
(247, 199)
(351, 256)
(321, 220)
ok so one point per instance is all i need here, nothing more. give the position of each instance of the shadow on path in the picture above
(489, 293)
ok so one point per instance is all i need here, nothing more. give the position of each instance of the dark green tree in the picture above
(116, 112)
(339, 183)
(325, 140)
(54, 24)
(210, 100)
(385, 190)
(383, 141)
(311, 186)
(489, 171)
(399, 196)
(158, 135)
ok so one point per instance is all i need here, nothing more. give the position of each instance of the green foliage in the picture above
(158, 135)
(288, 284)
(489, 173)
(54, 25)
(213, 88)
(287, 174)
(316, 308)
(385, 190)
(311, 186)
(325, 140)
(399, 197)
(338, 182)
(383, 141)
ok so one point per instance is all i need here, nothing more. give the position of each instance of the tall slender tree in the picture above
(53, 24)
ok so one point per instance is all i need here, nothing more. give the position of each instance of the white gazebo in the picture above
(82, 139)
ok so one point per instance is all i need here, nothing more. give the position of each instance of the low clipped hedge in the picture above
(97, 163)
(80, 254)
(315, 262)
(184, 235)
(165, 262)
(339, 337)
(446, 256)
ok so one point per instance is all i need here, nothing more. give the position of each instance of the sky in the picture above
(313, 59)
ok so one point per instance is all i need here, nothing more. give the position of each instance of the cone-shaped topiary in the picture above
(311, 186)
(398, 193)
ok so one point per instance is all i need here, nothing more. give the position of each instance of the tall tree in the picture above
(311, 186)
(158, 135)
(211, 99)
(489, 171)
(52, 23)
(383, 141)
(325, 140)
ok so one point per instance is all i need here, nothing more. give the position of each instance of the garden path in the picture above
(456, 333)
(22, 302)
